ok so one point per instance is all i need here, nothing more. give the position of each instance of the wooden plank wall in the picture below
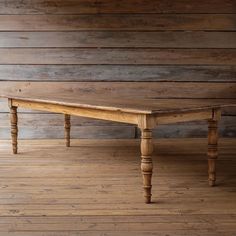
(178, 49)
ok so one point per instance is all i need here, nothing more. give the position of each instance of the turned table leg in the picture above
(14, 128)
(212, 152)
(67, 126)
(146, 162)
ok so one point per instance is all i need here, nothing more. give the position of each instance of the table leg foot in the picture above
(146, 162)
(211, 183)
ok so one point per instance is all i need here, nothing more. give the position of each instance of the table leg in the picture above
(146, 162)
(14, 128)
(212, 152)
(67, 126)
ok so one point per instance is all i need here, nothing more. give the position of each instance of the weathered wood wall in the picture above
(175, 49)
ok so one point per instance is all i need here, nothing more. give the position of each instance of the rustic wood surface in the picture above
(89, 189)
(116, 73)
(149, 90)
(113, 22)
(114, 103)
(52, 127)
(81, 56)
(112, 6)
(188, 42)
(104, 39)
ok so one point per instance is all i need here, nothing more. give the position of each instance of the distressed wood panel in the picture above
(130, 22)
(117, 56)
(52, 119)
(105, 39)
(88, 132)
(152, 90)
(227, 128)
(113, 6)
(117, 73)
(119, 233)
(67, 41)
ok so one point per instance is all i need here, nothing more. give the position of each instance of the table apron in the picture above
(185, 116)
(144, 121)
(117, 116)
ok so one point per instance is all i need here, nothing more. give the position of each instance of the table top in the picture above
(124, 104)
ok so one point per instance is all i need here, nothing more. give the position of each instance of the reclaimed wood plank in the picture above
(149, 90)
(121, 219)
(87, 128)
(51, 119)
(139, 56)
(131, 22)
(108, 6)
(118, 39)
(123, 226)
(120, 233)
(117, 73)
(42, 132)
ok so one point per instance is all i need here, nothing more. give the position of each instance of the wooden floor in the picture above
(94, 188)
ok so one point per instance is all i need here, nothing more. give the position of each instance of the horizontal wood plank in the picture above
(131, 22)
(117, 233)
(77, 56)
(51, 126)
(119, 219)
(113, 6)
(227, 128)
(84, 226)
(88, 132)
(151, 90)
(52, 119)
(119, 39)
(117, 73)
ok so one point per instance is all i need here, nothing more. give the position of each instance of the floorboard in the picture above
(94, 188)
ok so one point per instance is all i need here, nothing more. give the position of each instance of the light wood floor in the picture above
(94, 189)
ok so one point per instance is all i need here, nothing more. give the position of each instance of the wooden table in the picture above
(144, 113)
